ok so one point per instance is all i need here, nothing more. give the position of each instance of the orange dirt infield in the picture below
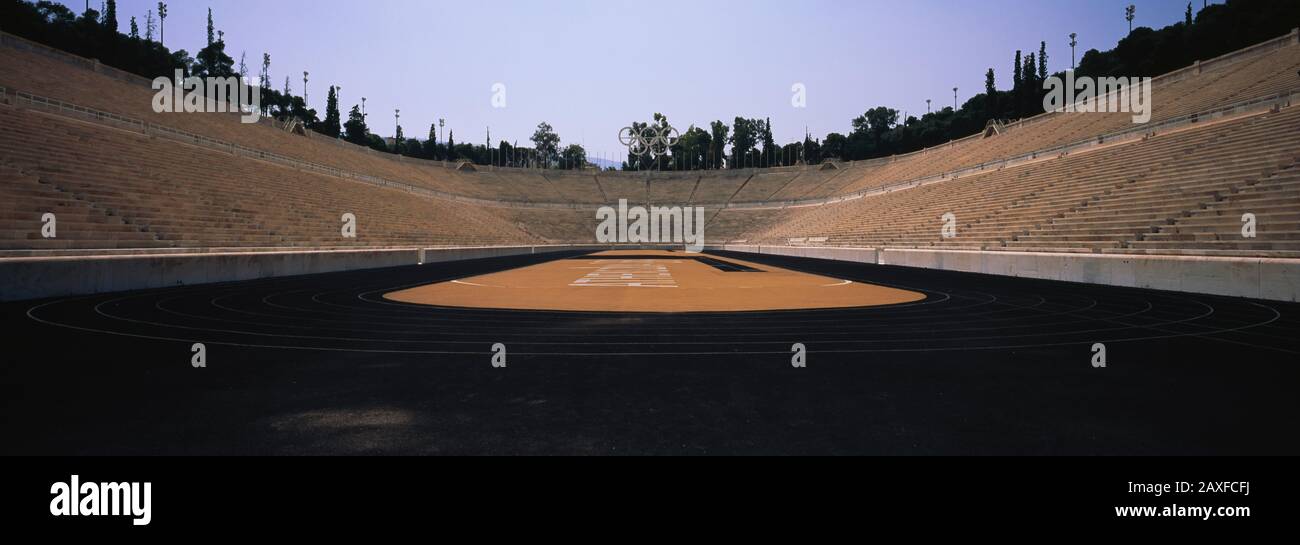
(652, 281)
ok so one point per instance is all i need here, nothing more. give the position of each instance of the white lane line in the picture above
(844, 283)
(619, 286)
(473, 284)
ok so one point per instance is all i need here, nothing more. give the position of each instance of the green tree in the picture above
(876, 121)
(505, 154)
(110, 16)
(182, 59)
(635, 160)
(693, 148)
(1042, 62)
(546, 142)
(790, 154)
(833, 147)
(135, 29)
(1017, 77)
(264, 82)
(990, 94)
(356, 130)
(330, 127)
(433, 150)
(213, 60)
(769, 145)
(666, 160)
(868, 136)
(411, 147)
(744, 137)
(573, 157)
(44, 13)
(1030, 94)
(812, 150)
(718, 138)
(211, 29)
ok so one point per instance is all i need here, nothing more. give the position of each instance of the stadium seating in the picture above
(24, 200)
(677, 188)
(113, 189)
(1145, 196)
(1180, 190)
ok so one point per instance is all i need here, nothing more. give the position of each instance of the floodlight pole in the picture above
(1073, 42)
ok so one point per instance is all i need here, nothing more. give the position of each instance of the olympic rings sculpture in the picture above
(653, 141)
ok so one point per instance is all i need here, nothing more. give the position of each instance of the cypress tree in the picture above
(1029, 92)
(1042, 61)
(1017, 77)
(110, 16)
(331, 126)
(990, 94)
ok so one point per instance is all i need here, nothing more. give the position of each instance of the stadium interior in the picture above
(1073, 230)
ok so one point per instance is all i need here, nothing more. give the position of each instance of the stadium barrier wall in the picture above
(41, 277)
(1257, 278)
(858, 255)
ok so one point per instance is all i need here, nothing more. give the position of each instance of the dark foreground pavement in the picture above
(323, 365)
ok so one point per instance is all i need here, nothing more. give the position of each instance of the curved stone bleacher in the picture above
(1235, 78)
(115, 189)
(1050, 183)
(666, 189)
(1169, 193)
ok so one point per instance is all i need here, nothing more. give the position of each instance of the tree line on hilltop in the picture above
(744, 143)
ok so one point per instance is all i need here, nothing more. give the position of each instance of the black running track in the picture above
(323, 365)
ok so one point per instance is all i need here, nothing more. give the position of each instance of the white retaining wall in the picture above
(1258, 278)
(859, 255)
(1261, 278)
(40, 277)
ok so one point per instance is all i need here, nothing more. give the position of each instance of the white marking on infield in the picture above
(629, 273)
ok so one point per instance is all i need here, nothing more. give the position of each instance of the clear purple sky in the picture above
(591, 67)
